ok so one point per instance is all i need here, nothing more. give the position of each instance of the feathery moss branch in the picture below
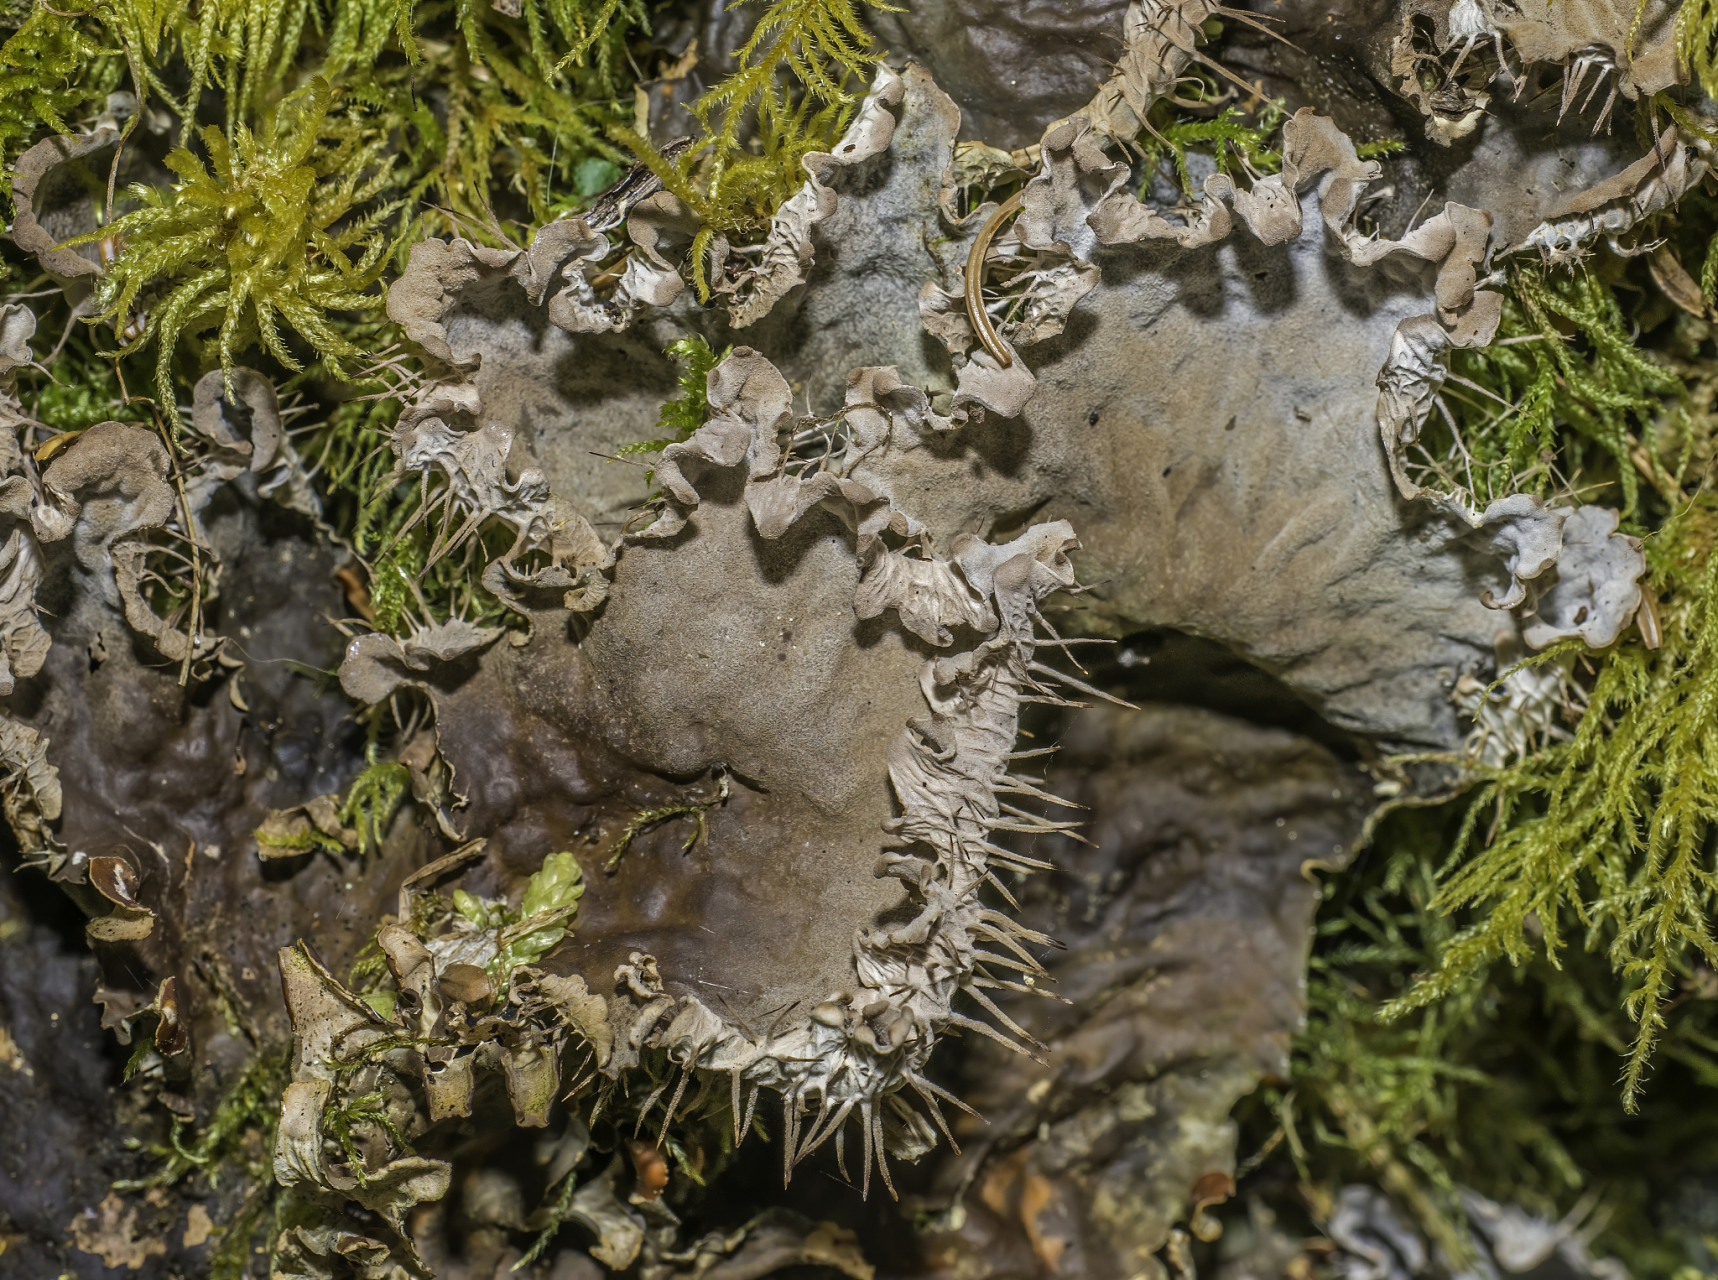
(51, 70)
(264, 232)
(1612, 834)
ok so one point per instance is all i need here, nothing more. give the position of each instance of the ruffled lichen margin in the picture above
(853, 1055)
(847, 1058)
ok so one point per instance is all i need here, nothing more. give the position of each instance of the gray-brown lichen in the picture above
(813, 648)
(875, 468)
(849, 1051)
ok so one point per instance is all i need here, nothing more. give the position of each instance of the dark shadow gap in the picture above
(1171, 668)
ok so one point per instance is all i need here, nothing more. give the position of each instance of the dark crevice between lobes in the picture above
(1166, 667)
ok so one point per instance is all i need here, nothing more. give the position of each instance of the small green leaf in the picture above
(471, 907)
(594, 175)
(533, 946)
(559, 884)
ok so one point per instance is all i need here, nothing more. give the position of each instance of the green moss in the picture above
(53, 68)
(277, 228)
(685, 413)
(516, 120)
(243, 1121)
(371, 802)
(352, 456)
(1696, 40)
(1233, 139)
(645, 819)
(555, 1211)
(1563, 397)
(1506, 1086)
(1239, 141)
(1607, 838)
(406, 589)
(368, 808)
(342, 1116)
(1396, 1103)
(817, 47)
(83, 391)
(370, 978)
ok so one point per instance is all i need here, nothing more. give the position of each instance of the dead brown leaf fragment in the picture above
(1676, 284)
(1212, 1189)
(130, 920)
(111, 1232)
(198, 1227)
